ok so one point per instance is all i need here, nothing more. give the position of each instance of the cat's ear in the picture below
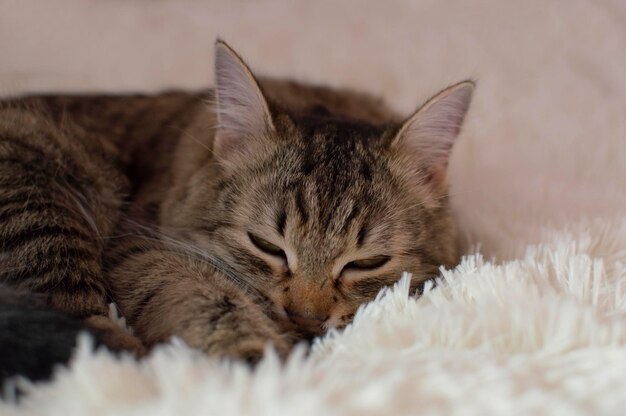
(428, 135)
(243, 115)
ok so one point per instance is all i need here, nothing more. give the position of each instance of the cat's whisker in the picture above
(185, 133)
(198, 253)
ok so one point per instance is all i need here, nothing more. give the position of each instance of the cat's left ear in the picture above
(243, 116)
(429, 134)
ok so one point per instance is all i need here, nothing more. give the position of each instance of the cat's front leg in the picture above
(164, 294)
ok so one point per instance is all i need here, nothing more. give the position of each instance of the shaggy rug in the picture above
(533, 320)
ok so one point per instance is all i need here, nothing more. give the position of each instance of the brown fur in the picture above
(122, 198)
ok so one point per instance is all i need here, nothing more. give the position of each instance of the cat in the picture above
(261, 211)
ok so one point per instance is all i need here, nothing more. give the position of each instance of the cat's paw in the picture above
(249, 346)
(253, 349)
(250, 351)
(113, 336)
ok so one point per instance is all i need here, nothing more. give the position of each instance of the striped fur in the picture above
(123, 198)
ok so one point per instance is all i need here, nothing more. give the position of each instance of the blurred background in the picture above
(545, 141)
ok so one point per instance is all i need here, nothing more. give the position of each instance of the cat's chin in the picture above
(298, 332)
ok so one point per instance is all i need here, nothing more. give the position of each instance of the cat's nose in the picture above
(312, 323)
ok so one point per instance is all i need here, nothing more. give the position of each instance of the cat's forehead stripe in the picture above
(354, 211)
(301, 205)
(281, 220)
(361, 236)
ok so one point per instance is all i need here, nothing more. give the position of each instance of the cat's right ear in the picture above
(429, 134)
(243, 116)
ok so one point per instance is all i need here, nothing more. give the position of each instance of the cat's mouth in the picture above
(308, 326)
(301, 326)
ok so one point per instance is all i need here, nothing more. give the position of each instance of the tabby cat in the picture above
(261, 211)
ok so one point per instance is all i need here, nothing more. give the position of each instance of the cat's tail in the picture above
(33, 339)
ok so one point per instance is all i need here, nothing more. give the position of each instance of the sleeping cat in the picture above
(261, 211)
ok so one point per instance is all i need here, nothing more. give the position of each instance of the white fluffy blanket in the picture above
(535, 324)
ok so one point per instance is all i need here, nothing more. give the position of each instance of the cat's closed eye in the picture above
(267, 247)
(366, 264)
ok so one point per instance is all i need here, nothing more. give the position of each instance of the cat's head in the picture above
(320, 213)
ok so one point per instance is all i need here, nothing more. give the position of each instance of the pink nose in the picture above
(310, 323)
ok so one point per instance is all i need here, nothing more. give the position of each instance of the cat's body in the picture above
(229, 225)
